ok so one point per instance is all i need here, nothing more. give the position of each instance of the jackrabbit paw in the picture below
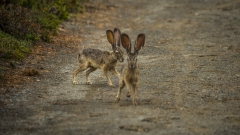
(117, 98)
(135, 103)
(111, 85)
(128, 94)
(75, 82)
(88, 83)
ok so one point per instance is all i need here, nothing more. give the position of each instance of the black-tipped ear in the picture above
(126, 42)
(117, 36)
(140, 42)
(110, 37)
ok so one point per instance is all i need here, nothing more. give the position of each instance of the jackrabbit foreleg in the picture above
(115, 72)
(134, 97)
(105, 71)
(121, 85)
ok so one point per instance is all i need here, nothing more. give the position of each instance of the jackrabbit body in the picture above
(105, 60)
(130, 72)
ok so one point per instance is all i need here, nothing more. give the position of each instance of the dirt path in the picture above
(190, 75)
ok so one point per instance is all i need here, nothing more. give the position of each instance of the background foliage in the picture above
(24, 22)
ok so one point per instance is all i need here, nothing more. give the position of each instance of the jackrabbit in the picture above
(130, 72)
(105, 60)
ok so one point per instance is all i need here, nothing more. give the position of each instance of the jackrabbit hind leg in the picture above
(81, 68)
(91, 69)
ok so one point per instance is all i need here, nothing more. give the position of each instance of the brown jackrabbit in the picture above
(130, 72)
(105, 60)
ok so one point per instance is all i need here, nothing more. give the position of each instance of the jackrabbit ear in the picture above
(140, 42)
(117, 36)
(126, 42)
(110, 37)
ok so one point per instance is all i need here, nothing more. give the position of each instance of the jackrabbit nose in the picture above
(131, 66)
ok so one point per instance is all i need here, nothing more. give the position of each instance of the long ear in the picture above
(126, 42)
(117, 36)
(140, 42)
(110, 37)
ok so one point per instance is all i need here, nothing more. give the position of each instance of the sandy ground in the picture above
(190, 75)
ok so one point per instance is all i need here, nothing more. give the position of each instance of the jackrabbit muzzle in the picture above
(132, 61)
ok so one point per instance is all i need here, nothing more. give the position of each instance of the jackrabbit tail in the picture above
(130, 72)
(105, 60)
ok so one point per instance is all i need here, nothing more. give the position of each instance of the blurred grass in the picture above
(23, 22)
(32, 20)
(12, 48)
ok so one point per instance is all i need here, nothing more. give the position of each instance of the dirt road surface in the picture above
(190, 73)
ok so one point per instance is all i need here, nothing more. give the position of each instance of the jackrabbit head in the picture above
(132, 51)
(114, 39)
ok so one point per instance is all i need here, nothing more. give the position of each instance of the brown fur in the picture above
(92, 59)
(130, 72)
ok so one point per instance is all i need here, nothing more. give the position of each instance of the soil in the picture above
(190, 75)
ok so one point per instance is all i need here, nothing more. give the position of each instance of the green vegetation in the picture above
(25, 21)
(11, 48)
